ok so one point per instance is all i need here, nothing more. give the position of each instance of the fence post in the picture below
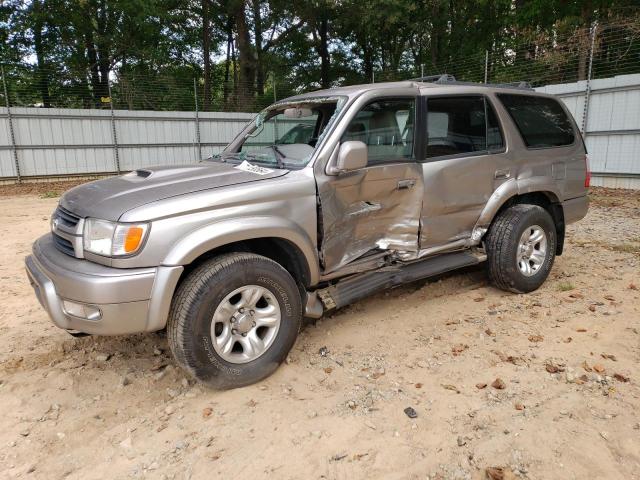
(276, 135)
(587, 90)
(486, 66)
(195, 98)
(12, 135)
(114, 135)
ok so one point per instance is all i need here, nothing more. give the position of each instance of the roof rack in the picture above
(448, 79)
(442, 78)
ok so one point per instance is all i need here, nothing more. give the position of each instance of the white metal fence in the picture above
(608, 112)
(65, 142)
(37, 142)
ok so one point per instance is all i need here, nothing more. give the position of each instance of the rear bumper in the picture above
(575, 209)
(129, 300)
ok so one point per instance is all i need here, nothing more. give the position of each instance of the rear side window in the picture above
(461, 125)
(542, 122)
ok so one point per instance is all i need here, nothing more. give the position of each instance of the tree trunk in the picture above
(43, 77)
(367, 58)
(246, 59)
(227, 63)
(323, 51)
(206, 53)
(103, 51)
(92, 60)
(257, 33)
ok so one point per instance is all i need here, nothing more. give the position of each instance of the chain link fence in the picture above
(603, 51)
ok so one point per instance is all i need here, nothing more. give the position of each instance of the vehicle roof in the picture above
(432, 88)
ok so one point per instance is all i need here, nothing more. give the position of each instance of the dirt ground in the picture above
(566, 356)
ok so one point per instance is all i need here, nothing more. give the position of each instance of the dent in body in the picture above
(364, 210)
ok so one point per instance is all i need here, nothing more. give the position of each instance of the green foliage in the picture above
(67, 53)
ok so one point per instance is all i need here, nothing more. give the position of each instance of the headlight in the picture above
(112, 239)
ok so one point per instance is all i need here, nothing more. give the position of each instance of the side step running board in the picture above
(357, 287)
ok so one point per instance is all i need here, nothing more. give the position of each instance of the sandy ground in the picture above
(567, 357)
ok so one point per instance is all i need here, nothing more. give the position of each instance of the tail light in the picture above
(587, 176)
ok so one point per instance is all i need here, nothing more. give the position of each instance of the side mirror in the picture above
(352, 156)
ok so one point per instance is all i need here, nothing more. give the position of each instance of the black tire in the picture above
(502, 243)
(196, 300)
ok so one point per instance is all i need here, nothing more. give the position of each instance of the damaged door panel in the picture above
(375, 207)
(370, 209)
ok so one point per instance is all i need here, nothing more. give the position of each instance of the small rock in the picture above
(499, 384)
(461, 441)
(410, 412)
(25, 433)
(103, 357)
(124, 381)
(169, 410)
(324, 351)
(60, 435)
(157, 352)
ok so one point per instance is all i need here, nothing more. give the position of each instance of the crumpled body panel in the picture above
(367, 210)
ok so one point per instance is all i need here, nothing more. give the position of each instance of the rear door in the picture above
(465, 162)
(376, 207)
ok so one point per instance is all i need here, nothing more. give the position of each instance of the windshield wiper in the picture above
(279, 155)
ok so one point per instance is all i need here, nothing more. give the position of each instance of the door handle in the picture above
(502, 174)
(406, 184)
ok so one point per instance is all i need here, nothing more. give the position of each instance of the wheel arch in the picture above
(542, 193)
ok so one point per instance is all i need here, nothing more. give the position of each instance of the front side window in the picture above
(542, 122)
(286, 135)
(386, 127)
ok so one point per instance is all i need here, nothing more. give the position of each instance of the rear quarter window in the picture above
(542, 121)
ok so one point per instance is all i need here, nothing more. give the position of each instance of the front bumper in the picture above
(130, 300)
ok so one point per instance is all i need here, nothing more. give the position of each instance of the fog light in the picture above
(80, 310)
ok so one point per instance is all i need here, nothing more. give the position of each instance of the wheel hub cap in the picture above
(532, 250)
(242, 322)
(245, 324)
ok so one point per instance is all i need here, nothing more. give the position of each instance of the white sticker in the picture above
(247, 167)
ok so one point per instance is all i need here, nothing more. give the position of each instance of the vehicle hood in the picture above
(108, 199)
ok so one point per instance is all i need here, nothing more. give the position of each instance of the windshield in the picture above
(285, 135)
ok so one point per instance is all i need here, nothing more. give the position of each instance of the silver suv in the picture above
(323, 199)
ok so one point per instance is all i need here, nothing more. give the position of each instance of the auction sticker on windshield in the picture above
(247, 167)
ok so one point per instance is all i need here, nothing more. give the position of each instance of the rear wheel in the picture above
(234, 319)
(521, 245)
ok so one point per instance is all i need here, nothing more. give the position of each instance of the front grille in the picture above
(67, 218)
(64, 245)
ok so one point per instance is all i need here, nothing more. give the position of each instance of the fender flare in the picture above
(508, 190)
(224, 232)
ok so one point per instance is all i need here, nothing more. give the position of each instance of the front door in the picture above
(465, 162)
(376, 207)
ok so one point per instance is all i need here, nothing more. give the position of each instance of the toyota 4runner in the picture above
(323, 199)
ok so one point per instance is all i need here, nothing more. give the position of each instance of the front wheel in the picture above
(234, 319)
(521, 246)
